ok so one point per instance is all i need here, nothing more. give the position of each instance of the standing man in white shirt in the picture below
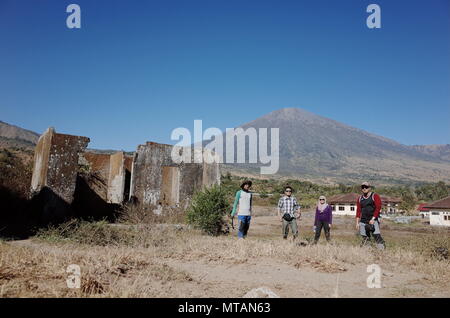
(243, 207)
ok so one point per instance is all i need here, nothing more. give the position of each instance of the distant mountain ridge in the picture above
(438, 151)
(323, 150)
(317, 147)
(16, 133)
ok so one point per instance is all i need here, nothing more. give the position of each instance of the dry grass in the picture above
(145, 214)
(139, 260)
(36, 271)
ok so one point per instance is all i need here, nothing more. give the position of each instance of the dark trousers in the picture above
(367, 231)
(326, 229)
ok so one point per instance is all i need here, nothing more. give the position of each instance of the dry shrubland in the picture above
(126, 260)
(132, 213)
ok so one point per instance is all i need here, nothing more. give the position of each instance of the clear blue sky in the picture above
(138, 69)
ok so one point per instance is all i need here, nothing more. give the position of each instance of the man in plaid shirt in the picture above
(288, 212)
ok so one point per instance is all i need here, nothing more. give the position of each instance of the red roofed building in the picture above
(423, 211)
(390, 204)
(345, 204)
(440, 212)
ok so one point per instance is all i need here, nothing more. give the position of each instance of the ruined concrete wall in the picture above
(54, 180)
(128, 163)
(108, 175)
(170, 185)
(98, 163)
(99, 173)
(128, 166)
(40, 162)
(211, 168)
(211, 174)
(63, 164)
(191, 179)
(157, 179)
(116, 178)
(147, 172)
(56, 163)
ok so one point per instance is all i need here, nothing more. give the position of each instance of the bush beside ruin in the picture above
(208, 209)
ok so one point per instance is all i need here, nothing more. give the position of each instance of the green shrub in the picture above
(207, 210)
(275, 198)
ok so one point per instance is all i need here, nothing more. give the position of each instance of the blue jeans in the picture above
(244, 224)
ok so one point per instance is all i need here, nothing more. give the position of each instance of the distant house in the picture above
(423, 211)
(390, 205)
(345, 204)
(440, 212)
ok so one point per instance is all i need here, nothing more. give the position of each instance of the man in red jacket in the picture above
(368, 209)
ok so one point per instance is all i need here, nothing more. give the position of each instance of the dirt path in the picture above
(288, 281)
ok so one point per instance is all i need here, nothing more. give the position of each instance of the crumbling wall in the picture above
(55, 168)
(128, 164)
(191, 179)
(40, 162)
(116, 178)
(170, 185)
(56, 163)
(151, 177)
(211, 168)
(99, 173)
(147, 172)
(98, 163)
(108, 175)
(157, 180)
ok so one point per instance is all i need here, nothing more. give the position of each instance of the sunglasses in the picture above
(364, 187)
(322, 199)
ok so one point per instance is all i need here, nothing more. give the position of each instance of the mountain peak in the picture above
(289, 113)
(313, 145)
